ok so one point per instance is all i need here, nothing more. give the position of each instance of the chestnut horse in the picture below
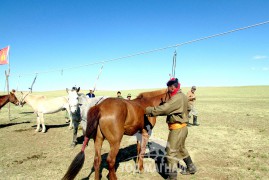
(111, 119)
(4, 99)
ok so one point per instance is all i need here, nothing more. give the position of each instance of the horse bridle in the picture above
(99, 100)
(23, 98)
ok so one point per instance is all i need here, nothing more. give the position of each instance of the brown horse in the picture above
(4, 99)
(111, 119)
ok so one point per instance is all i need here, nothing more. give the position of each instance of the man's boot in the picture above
(195, 121)
(172, 175)
(191, 169)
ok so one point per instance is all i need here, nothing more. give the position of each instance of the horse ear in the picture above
(78, 89)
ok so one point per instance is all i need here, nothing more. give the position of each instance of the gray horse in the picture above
(79, 105)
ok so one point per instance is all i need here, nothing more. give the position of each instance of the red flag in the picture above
(4, 55)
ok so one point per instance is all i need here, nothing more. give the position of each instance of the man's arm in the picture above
(163, 109)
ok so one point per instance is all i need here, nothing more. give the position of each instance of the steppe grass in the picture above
(230, 143)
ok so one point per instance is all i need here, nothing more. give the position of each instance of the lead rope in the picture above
(31, 88)
(101, 69)
(174, 64)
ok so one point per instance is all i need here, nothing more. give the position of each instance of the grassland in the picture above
(230, 143)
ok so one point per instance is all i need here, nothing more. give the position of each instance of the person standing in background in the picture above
(129, 97)
(119, 95)
(191, 100)
(90, 94)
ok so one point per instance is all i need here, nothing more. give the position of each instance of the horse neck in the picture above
(30, 100)
(152, 101)
(4, 100)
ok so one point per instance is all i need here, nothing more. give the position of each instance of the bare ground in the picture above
(231, 143)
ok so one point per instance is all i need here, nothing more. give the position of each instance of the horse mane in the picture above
(151, 93)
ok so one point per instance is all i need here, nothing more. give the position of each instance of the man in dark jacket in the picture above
(90, 94)
(176, 110)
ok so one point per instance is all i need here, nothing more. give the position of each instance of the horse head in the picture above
(22, 99)
(73, 99)
(12, 98)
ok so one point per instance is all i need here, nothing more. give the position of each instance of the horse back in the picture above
(121, 114)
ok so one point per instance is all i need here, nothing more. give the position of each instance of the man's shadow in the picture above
(156, 152)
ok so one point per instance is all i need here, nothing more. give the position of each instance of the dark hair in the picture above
(118, 92)
(173, 81)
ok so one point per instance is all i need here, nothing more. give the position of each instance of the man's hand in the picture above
(148, 111)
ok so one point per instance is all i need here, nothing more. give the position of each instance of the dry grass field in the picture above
(230, 143)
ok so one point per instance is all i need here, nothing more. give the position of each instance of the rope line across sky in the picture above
(147, 52)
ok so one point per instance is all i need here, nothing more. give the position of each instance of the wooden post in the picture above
(7, 75)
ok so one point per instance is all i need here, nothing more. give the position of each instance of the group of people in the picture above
(120, 96)
(178, 110)
(92, 95)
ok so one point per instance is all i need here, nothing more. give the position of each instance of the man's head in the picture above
(193, 88)
(90, 91)
(129, 96)
(118, 93)
(173, 84)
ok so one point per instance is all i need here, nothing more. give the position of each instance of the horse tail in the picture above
(93, 117)
(77, 163)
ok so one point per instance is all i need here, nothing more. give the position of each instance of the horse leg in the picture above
(37, 122)
(41, 115)
(142, 151)
(75, 132)
(98, 141)
(111, 159)
(141, 147)
(138, 147)
(70, 117)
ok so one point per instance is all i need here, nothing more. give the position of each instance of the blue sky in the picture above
(47, 35)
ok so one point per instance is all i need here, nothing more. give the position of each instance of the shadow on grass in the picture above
(130, 153)
(53, 126)
(12, 124)
(29, 112)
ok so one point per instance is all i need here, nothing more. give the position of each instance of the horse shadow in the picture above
(12, 124)
(54, 126)
(130, 153)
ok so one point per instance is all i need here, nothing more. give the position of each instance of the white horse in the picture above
(79, 106)
(41, 105)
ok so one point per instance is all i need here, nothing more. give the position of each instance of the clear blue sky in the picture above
(56, 34)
